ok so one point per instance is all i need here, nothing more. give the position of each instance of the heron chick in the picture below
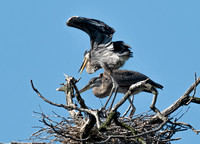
(102, 85)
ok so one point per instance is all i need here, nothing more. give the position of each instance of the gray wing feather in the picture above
(127, 78)
(99, 32)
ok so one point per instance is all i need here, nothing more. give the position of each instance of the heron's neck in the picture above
(102, 91)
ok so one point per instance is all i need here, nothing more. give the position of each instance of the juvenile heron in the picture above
(102, 85)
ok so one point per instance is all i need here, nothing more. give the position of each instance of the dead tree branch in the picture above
(84, 124)
(183, 100)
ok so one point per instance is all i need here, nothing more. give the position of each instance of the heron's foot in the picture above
(102, 109)
(103, 112)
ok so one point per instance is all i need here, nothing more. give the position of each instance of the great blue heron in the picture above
(102, 85)
(103, 52)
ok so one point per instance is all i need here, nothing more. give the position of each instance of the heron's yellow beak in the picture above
(83, 65)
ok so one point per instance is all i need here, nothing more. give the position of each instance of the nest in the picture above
(143, 130)
(86, 125)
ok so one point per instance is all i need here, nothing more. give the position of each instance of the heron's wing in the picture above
(126, 78)
(99, 32)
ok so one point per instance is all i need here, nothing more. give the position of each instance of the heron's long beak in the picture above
(87, 87)
(83, 65)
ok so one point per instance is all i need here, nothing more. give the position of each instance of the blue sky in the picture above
(36, 44)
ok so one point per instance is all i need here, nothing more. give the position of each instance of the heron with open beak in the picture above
(104, 53)
(112, 55)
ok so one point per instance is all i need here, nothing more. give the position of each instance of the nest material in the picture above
(69, 130)
(88, 126)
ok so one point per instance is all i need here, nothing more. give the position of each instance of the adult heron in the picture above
(103, 52)
(102, 85)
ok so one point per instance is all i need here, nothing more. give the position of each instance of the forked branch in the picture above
(141, 128)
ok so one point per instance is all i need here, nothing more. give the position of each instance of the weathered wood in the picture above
(68, 88)
(134, 89)
(69, 94)
(181, 101)
(148, 128)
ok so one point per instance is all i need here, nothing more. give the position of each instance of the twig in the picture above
(188, 125)
(129, 137)
(61, 134)
(194, 92)
(167, 140)
(183, 114)
(133, 131)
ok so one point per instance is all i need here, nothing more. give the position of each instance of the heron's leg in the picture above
(110, 95)
(132, 106)
(127, 111)
(131, 102)
(155, 94)
(114, 87)
(113, 90)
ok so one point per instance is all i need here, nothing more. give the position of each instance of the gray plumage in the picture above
(103, 52)
(102, 85)
(125, 78)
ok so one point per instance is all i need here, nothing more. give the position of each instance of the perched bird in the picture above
(102, 85)
(103, 52)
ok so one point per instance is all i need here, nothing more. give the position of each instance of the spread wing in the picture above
(99, 32)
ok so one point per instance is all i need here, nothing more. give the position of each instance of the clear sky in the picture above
(36, 44)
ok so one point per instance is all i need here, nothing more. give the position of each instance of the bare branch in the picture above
(189, 126)
(181, 101)
(143, 128)
(48, 101)
(68, 107)
(194, 92)
(135, 88)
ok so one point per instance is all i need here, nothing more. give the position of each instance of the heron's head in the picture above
(91, 67)
(85, 61)
(94, 82)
